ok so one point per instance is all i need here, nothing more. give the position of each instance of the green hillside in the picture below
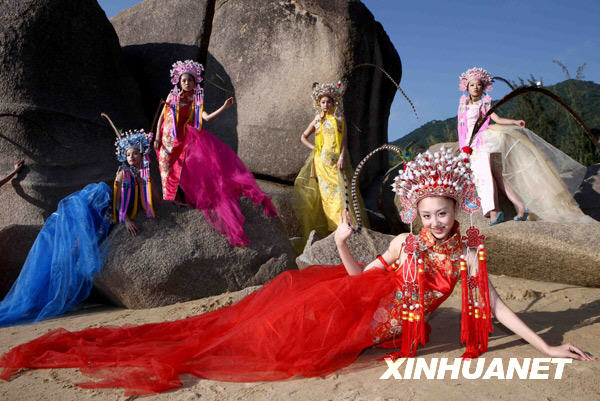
(542, 115)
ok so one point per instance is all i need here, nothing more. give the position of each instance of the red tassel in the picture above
(415, 331)
(404, 345)
(415, 335)
(412, 322)
(420, 311)
(479, 323)
(486, 320)
(477, 327)
(486, 289)
(464, 315)
(468, 322)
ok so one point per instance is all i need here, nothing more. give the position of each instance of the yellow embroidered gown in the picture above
(319, 189)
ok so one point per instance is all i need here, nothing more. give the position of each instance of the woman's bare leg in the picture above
(509, 192)
(486, 185)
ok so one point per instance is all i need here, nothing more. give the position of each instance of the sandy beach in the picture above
(558, 312)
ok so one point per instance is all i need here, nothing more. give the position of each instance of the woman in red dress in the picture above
(315, 321)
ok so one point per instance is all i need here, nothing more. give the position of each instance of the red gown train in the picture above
(310, 323)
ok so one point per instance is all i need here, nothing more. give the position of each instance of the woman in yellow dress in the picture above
(320, 188)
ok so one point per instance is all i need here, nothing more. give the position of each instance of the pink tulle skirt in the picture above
(213, 178)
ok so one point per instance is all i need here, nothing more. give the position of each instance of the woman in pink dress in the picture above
(197, 168)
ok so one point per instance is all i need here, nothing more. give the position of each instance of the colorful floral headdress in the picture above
(443, 173)
(130, 187)
(475, 73)
(195, 69)
(134, 139)
(330, 90)
(191, 67)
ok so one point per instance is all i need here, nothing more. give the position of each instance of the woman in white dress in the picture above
(535, 176)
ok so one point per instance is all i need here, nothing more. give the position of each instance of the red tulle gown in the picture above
(210, 174)
(310, 323)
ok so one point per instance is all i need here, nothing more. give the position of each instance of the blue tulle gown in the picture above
(67, 254)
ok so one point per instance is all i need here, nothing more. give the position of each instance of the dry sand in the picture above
(558, 312)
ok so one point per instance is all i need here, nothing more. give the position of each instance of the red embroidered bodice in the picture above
(441, 265)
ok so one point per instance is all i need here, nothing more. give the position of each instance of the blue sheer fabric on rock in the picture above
(67, 254)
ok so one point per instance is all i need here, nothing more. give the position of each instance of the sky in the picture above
(437, 40)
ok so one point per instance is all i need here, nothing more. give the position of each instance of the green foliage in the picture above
(543, 116)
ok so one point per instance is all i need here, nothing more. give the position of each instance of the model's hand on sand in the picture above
(344, 229)
(340, 162)
(520, 123)
(19, 165)
(228, 103)
(131, 227)
(570, 351)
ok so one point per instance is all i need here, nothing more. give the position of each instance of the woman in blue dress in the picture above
(71, 248)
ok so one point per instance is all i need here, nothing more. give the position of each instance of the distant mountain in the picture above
(542, 115)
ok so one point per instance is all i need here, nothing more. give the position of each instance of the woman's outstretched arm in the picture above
(18, 165)
(509, 319)
(226, 104)
(344, 231)
(507, 121)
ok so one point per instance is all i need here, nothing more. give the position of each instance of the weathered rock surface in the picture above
(365, 246)
(282, 195)
(178, 257)
(60, 66)
(588, 194)
(539, 250)
(156, 33)
(15, 242)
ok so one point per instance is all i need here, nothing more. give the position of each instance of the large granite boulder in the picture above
(387, 202)
(60, 66)
(539, 250)
(156, 33)
(273, 51)
(178, 257)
